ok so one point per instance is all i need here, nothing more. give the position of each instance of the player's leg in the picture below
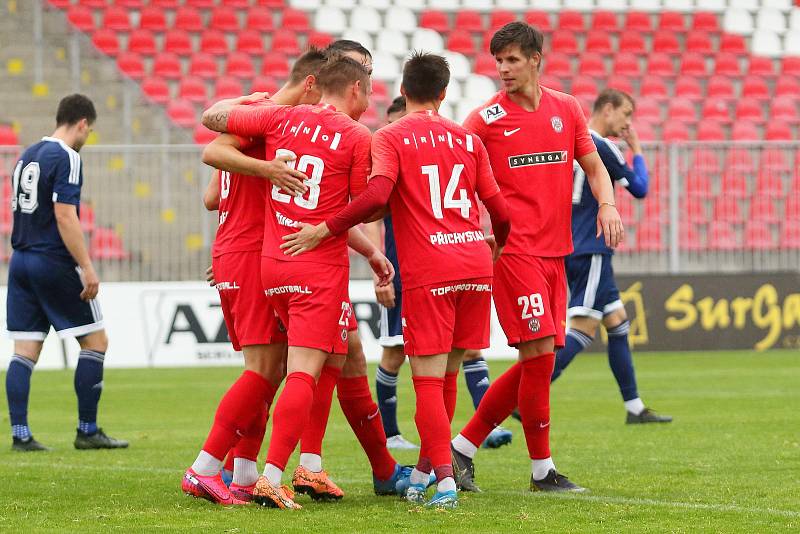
(18, 387)
(476, 375)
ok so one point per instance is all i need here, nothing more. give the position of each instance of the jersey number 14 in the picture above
(462, 203)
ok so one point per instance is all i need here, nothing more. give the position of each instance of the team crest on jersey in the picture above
(534, 325)
(557, 124)
(344, 334)
(492, 113)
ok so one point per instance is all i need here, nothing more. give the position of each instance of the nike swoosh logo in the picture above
(373, 416)
(510, 132)
(544, 425)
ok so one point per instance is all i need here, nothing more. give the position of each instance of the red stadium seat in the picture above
(81, 17)
(165, 4)
(285, 41)
(604, 21)
(625, 207)
(156, 90)
(761, 66)
(569, 20)
(105, 244)
(689, 238)
(227, 88)
(203, 65)
(189, 19)
(659, 64)
(275, 64)
(295, 20)
(131, 65)
(740, 160)
(735, 185)
(787, 86)
(178, 42)
(762, 209)
(239, 65)
(60, 4)
(791, 213)
(142, 42)
(435, 20)
(693, 64)
(699, 43)
(271, 3)
(7, 138)
(238, 4)
(705, 21)
(688, 88)
(380, 90)
(213, 43)
(719, 87)
(758, 236)
(695, 210)
(370, 118)
(132, 4)
(790, 66)
(648, 238)
(539, 19)
(749, 110)
(224, 19)
(469, 20)
(106, 41)
(555, 64)
(621, 83)
(202, 4)
(193, 89)
(486, 64)
(784, 108)
(598, 42)
(778, 131)
(710, 130)
(626, 64)
(652, 87)
(249, 42)
(675, 132)
(564, 43)
(698, 185)
(182, 113)
(769, 183)
(584, 87)
(554, 82)
(648, 110)
(790, 236)
(705, 161)
(461, 41)
(645, 131)
(722, 236)
(682, 109)
(638, 21)
(756, 88)
(266, 84)
(259, 19)
(500, 17)
(167, 65)
(733, 44)
(93, 3)
(672, 21)
(775, 160)
(726, 208)
(116, 18)
(727, 64)
(632, 43)
(319, 39)
(745, 131)
(666, 42)
(592, 64)
(153, 19)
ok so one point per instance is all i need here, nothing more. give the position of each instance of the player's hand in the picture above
(384, 294)
(496, 251)
(308, 238)
(630, 136)
(210, 276)
(91, 283)
(290, 180)
(258, 96)
(609, 224)
(384, 271)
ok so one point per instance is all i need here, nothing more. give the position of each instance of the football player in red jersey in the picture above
(432, 172)
(532, 134)
(309, 295)
(241, 416)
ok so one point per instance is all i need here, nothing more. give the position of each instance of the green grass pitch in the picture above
(729, 463)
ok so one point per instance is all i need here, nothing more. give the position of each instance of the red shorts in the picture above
(352, 322)
(446, 315)
(530, 294)
(312, 300)
(249, 316)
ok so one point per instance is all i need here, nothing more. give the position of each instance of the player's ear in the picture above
(309, 82)
(442, 95)
(402, 91)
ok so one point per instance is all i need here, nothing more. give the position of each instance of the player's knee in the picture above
(96, 341)
(536, 347)
(392, 359)
(619, 330)
(356, 362)
(615, 318)
(471, 355)
(585, 325)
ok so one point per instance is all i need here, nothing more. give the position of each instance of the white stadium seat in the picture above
(613, 5)
(513, 5)
(580, 5)
(737, 21)
(381, 5)
(447, 111)
(385, 66)
(771, 19)
(445, 5)
(427, 40)
(548, 5)
(766, 43)
(784, 5)
(400, 18)
(478, 5)
(465, 106)
(794, 19)
(717, 6)
(360, 36)
(479, 87)
(330, 20)
(791, 43)
(365, 18)
(306, 5)
(341, 4)
(459, 65)
(392, 42)
(410, 4)
(750, 5)
(679, 5)
(454, 92)
(645, 5)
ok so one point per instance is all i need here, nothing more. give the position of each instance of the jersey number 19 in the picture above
(25, 187)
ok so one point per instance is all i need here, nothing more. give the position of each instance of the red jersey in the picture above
(330, 148)
(531, 154)
(438, 167)
(241, 203)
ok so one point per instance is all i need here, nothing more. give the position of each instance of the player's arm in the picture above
(637, 178)
(384, 294)
(211, 196)
(216, 117)
(69, 227)
(608, 220)
(381, 266)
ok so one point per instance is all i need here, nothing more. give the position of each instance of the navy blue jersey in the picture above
(48, 172)
(584, 205)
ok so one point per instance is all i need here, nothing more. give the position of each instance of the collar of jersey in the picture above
(324, 105)
(64, 145)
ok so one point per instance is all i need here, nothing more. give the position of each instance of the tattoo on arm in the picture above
(216, 121)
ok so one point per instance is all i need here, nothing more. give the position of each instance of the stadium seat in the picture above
(727, 209)
(693, 64)
(699, 43)
(156, 90)
(201, 4)
(142, 42)
(749, 110)
(81, 17)
(775, 160)
(284, 40)
(203, 65)
(476, 87)
(461, 41)
(706, 161)
(667, 43)
(671, 21)
(654, 88)
(604, 21)
(698, 185)
(249, 41)
(688, 88)
(178, 42)
(790, 66)
(763, 67)
(673, 131)
(7, 138)
(385, 66)
(598, 42)
(469, 20)
(735, 185)
(275, 65)
(570, 21)
(182, 113)
(771, 19)
(563, 43)
(737, 21)
(766, 43)
(223, 19)
(361, 17)
(106, 41)
(152, 19)
(555, 64)
(259, 19)
(740, 160)
(762, 209)
(719, 87)
(732, 44)
(460, 67)
(238, 4)
(632, 43)
(626, 64)
(187, 18)
(727, 64)
(769, 183)
(689, 239)
(105, 244)
(213, 43)
(227, 88)
(278, 4)
(425, 39)
(131, 65)
(400, 18)
(722, 236)
(165, 4)
(703, 21)
(778, 131)
(787, 85)
(758, 236)
(791, 214)
(266, 84)
(695, 210)
(649, 239)
(434, 20)
(622, 83)
(682, 109)
(539, 19)
(790, 236)
(486, 64)
(659, 64)
(116, 18)
(592, 64)
(638, 21)
(93, 3)
(319, 39)
(193, 89)
(584, 87)
(167, 65)
(745, 131)
(239, 65)
(500, 17)
(710, 130)
(392, 42)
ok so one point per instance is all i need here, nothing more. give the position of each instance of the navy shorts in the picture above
(593, 290)
(391, 322)
(44, 290)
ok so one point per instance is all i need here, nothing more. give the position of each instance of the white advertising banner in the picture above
(174, 324)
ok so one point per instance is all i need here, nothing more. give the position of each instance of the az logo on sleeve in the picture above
(492, 113)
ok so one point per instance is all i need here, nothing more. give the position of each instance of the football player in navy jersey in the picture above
(51, 279)
(594, 296)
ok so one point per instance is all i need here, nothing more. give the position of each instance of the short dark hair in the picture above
(615, 97)
(346, 45)
(73, 108)
(397, 105)
(339, 72)
(528, 38)
(425, 76)
(306, 65)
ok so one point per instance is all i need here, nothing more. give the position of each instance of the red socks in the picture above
(290, 418)
(311, 442)
(497, 404)
(235, 413)
(362, 413)
(450, 394)
(433, 424)
(249, 444)
(534, 404)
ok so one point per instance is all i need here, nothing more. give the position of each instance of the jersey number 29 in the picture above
(313, 181)
(25, 188)
(463, 202)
